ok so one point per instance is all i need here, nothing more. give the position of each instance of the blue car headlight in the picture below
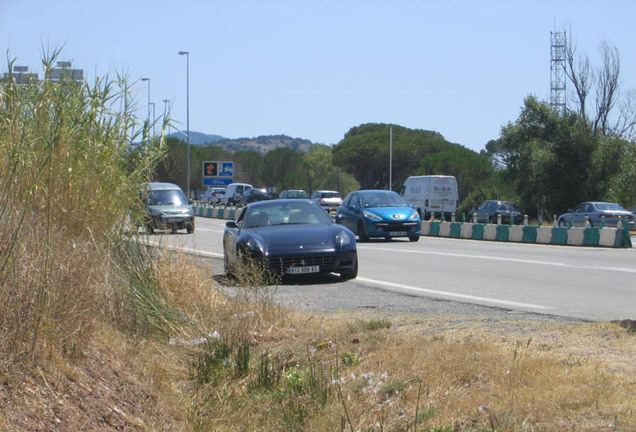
(342, 239)
(371, 216)
(414, 216)
(255, 245)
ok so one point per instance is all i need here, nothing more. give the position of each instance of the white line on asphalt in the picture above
(186, 250)
(454, 295)
(515, 260)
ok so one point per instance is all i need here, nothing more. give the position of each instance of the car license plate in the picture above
(398, 233)
(173, 220)
(303, 270)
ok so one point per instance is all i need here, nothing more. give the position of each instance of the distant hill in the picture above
(261, 144)
(197, 138)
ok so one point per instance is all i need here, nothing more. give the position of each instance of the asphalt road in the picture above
(457, 276)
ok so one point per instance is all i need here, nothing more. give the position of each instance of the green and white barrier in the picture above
(572, 236)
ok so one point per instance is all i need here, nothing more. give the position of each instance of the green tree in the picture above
(323, 174)
(365, 153)
(283, 168)
(549, 158)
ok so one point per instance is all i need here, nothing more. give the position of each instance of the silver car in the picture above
(327, 199)
(596, 213)
(167, 208)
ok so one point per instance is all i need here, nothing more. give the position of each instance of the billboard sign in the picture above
(218, 173)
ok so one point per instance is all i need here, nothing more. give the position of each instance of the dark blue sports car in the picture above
(289, 237)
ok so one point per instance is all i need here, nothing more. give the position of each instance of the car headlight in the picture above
(342, 239)
(414, 216)
(255, 246)
(371, 216)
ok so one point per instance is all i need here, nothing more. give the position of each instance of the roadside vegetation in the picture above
(99, 331)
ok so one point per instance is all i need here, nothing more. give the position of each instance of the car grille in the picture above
(284, 262)
(396, 226)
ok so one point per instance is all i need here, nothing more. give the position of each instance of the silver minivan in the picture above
(167, 208)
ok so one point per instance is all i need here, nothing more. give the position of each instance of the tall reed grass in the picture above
(69, 181)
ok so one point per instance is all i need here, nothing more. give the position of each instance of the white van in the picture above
(432, 195)
(233, 191)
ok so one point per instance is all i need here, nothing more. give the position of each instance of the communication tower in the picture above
(557, 71)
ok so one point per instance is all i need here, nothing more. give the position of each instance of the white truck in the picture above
(432, 195)
(233, 192)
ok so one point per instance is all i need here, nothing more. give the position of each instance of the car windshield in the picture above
(297, 194)
(329, 195)
(166, 197)
(508, 207)
(382, 199)
(286, 214)
(609, 206)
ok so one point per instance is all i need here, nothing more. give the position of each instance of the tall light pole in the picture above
(187, 54)
(148, 82)
(165, 111)
(153, 119)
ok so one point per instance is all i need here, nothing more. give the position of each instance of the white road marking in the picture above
(210, 230)
(454, 295)
(514, 260)
(185, 249)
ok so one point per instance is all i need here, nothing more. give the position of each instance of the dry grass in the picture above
(372, 372)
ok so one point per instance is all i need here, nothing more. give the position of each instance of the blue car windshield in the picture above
(166, 197)
(382, 199)
(286, 214)
(508, 207)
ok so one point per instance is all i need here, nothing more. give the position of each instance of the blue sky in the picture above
(314, 69)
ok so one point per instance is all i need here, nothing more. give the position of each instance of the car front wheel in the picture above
(362, 236)
(414, 238)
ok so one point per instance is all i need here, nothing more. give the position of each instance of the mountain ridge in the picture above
(261, 144)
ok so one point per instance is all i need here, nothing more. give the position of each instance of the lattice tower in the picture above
(557, 71)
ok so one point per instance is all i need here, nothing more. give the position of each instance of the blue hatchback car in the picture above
(379, 213)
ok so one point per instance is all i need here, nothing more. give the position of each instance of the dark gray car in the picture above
(489, 212)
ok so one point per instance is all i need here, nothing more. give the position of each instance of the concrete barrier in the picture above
(544, 235)
(490, 232)
(608, 237)
(516, 233)
(575, 236)
(467, 230)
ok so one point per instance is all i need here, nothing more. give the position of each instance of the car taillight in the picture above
(321, 200)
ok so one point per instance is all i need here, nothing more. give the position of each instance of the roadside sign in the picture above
(218, 173)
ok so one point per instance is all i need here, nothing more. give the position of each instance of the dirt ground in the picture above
(110, 389)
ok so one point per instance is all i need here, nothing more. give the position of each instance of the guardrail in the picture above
(540, 234)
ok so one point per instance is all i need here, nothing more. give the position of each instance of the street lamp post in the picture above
(153, 119)
(148, 82)
(165, 113)
(187, 54)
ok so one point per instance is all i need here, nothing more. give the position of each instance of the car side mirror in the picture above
(190, 201)
(231, 224)
(353, 209)
(340, 217)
